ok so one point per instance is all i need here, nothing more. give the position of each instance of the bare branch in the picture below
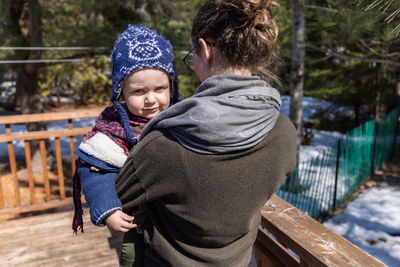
(341, 11)
(365, 45)
(318, 60)
(322, 8)
(345, 56)
(394, 54)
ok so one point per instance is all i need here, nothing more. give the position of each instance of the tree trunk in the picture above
(27, 23)
(297, 70)
(378, 103)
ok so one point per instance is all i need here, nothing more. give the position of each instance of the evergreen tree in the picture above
(351, 56)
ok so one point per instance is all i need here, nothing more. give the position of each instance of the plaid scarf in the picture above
(109, 123)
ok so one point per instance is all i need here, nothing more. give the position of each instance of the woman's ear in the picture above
(207, 50)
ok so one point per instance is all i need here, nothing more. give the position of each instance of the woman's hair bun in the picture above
(255, 14)
(245, 30)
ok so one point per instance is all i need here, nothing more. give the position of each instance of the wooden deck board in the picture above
(47, 240)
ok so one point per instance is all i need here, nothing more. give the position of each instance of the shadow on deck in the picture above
(47, 240)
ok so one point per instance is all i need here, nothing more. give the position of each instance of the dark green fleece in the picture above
(203, 210)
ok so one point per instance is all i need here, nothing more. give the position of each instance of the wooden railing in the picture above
(12, 203)
(286, 237)
(289, 237)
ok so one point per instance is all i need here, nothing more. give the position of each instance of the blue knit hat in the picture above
(136, 48)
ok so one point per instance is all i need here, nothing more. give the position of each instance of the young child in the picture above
(144, 76)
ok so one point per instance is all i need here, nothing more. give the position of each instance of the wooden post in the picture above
(29, 169)
(1, 197)
(60, 169)
(13, 166)
(71, 147)
(45, 172)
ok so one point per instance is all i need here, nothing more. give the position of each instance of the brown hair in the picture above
(244, 30)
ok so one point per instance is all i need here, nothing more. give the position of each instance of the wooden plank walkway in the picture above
(47, 240)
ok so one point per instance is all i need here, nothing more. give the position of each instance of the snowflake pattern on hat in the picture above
(147, 50)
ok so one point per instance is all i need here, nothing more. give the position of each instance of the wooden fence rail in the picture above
(13, 204)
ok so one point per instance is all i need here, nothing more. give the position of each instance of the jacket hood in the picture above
(227, 113)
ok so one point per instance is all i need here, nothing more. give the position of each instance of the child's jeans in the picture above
(132, 250)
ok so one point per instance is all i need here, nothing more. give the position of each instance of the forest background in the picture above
(351, 51)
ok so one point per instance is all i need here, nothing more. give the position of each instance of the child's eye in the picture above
(137, 91)
(160, 88)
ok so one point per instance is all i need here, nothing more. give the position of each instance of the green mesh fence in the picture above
(323, 182)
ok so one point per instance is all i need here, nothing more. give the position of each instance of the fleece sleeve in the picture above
(98, 186)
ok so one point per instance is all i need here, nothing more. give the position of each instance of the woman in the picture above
(205, 167)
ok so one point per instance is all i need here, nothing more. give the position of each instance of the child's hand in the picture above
(119, 222)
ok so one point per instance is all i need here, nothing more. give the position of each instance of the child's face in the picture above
(146, 92)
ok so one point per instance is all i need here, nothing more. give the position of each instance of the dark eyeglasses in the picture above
(188, 59)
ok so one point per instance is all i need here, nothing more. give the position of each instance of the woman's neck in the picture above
(237, 71)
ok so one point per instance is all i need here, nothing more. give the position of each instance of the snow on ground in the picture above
(372, 222)
(321, 140)
(312, 105)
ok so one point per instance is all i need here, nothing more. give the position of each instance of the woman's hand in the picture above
(119, 222)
